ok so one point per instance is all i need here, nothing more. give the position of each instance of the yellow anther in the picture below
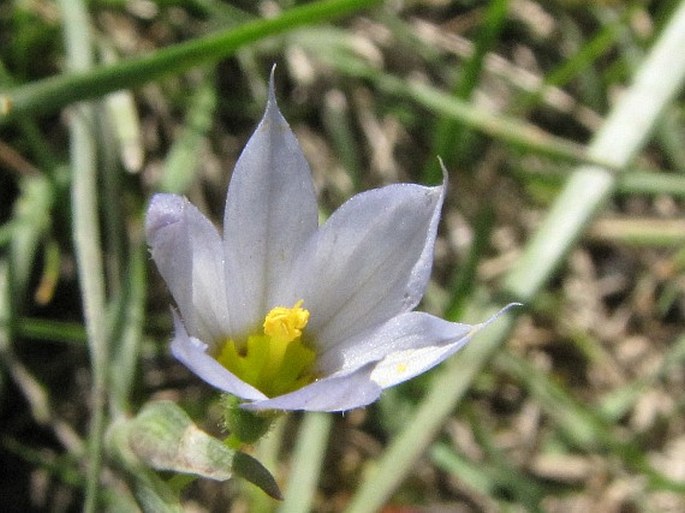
(277, 361)
(286, 324)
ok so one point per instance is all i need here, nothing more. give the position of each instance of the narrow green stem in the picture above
(128, 332)
(87, 239)
(52, 331)
(53, 93)
(308, 457)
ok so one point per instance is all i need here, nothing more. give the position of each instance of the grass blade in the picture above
(53, 93)
(87, 240)
(307, 461)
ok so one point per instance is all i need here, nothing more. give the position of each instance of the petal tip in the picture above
(497, 315)
(271, 95)
(164, 210)
(444, 171)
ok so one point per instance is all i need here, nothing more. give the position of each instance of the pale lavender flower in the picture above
(290, 315)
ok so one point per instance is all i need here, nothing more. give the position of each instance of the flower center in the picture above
(275, 361)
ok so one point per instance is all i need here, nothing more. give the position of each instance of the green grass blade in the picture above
(307, 462)
(53, 93)
(31, 224)
(623, 134)
(128, 332)
(646, 232)
(87, 239)
(617, 403)
(582, 426)
(52, 331)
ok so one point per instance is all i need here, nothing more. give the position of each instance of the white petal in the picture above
(270, 212)
(404, 365)
(411, 331)
(414, 343)
(192, 353)
(335, 393)
(370, 261)
(189, 255)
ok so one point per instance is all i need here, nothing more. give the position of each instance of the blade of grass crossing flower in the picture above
(53, 93)
(620, 139)
(87, 239)
(308, 457)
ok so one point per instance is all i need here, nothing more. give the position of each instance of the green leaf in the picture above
(164, 437)
(53, 93)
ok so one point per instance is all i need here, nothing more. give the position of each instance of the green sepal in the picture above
(244, 427)
(251, 470)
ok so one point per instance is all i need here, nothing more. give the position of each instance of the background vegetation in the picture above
(562, 126)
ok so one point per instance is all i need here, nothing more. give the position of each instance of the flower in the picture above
(290, 315)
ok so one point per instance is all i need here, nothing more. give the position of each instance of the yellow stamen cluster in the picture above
(276, 361)
(286, 324)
